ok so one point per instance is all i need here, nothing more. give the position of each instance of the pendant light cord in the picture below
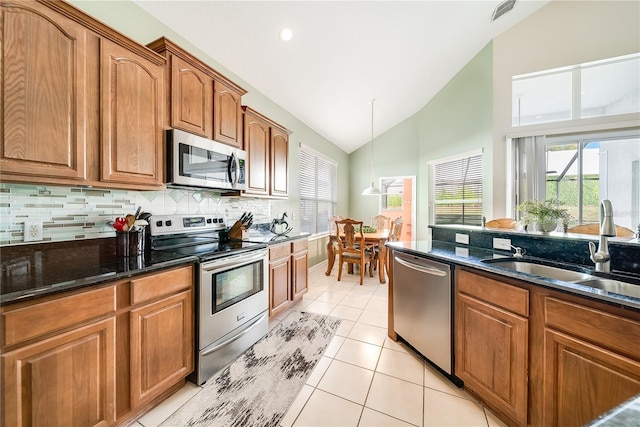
(372, 101)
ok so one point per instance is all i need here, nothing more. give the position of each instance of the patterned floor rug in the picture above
(258, 387)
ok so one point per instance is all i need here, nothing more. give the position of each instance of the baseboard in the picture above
(319, 266)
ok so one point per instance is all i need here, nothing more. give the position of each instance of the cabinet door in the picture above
(256, 144)
(162, 344)
(583, 381)
(66, 380)
(491, 355)
(279, 163)
(279, 281)
(44, 99)
(227, 113)
(300, 270)
(132, 134)
(191, 98)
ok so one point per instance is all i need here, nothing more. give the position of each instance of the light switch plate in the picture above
(462, 238)
(502, 243)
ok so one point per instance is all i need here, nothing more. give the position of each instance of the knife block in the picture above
(238, 231)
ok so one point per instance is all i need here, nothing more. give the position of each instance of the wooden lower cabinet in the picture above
(162, 343)
(492, 344)
(64, 380)
(540, 357)
(299, 268)
(96, 357)
(591, 362)
(288, 274)
(279, 277)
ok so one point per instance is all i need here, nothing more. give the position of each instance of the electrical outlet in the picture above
(502, 244)
(462, 238)
(32, 231)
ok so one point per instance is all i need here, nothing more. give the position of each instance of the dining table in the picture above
(379, 238)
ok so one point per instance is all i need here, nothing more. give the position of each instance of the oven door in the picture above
(233, 290)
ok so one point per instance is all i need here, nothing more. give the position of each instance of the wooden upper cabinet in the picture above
(201, 100)
(192, 98)
(227, 111)
(267, 146)
(132, 108)
(256, 144)
(45, 103)
(279, 162)
(81, 103)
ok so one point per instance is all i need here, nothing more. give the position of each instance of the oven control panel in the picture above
(172, 224)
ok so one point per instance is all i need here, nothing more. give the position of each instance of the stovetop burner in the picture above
(195, 235)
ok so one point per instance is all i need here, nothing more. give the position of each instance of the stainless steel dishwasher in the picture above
(422, 309)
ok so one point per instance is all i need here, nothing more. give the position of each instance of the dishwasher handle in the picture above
(420, 268)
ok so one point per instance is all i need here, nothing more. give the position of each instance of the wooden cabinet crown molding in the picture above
(102, 29)
(163, 45)
(270, 122)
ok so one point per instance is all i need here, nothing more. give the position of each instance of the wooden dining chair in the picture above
(352, 248)
(594, 228)
(394, 236)
(380, 222)
(502, 223)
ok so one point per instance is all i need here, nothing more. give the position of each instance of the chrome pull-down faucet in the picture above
(601, 257)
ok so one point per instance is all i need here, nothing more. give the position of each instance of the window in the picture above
(581, 170)
(596, 89)
(458, 190)
(392, 197)
(318, 191)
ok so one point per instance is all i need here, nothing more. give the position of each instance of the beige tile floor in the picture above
(363, 378)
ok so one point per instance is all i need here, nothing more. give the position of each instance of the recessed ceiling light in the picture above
(286, 34)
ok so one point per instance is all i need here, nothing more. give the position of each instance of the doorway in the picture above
(398, 200)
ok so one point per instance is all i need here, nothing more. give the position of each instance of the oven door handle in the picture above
(232, 339)
(235, 261)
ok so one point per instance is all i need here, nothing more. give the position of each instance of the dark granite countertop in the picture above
(30, 271)
(472, 257)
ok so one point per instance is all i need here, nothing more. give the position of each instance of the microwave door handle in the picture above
(233, 167)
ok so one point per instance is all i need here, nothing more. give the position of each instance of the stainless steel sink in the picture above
(609, 285)
(601, 285)
(524, 266)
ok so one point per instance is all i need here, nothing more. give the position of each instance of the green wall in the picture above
(457, 120)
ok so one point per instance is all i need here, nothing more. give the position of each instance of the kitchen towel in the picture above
(257, 388)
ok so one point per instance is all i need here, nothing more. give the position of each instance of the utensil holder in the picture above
(130, 243)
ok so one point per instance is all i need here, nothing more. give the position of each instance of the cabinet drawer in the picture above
(607, 330)
(300, 245)
(41, 318)
(279, 251)
(497, 293)
(156, 285)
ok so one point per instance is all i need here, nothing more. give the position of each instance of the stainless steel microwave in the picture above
(194, 161)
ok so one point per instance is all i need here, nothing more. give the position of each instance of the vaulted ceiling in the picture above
(342, 53)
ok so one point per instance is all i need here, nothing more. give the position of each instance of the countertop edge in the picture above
(85, 282)
(475, 262)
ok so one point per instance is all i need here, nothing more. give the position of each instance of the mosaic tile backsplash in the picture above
(69, 213)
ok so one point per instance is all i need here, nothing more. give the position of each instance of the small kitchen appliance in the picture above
(231, 287)
(194, 161)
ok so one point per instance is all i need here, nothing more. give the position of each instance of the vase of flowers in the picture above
(545, 214)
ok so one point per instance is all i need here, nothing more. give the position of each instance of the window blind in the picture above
(318, 191)
(458, 191)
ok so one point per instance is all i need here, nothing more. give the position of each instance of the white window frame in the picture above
(432, 177)
(334, 196)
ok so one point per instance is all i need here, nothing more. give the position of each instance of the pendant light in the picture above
(372, 190)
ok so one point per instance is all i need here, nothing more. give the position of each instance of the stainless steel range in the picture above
(231, 287)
